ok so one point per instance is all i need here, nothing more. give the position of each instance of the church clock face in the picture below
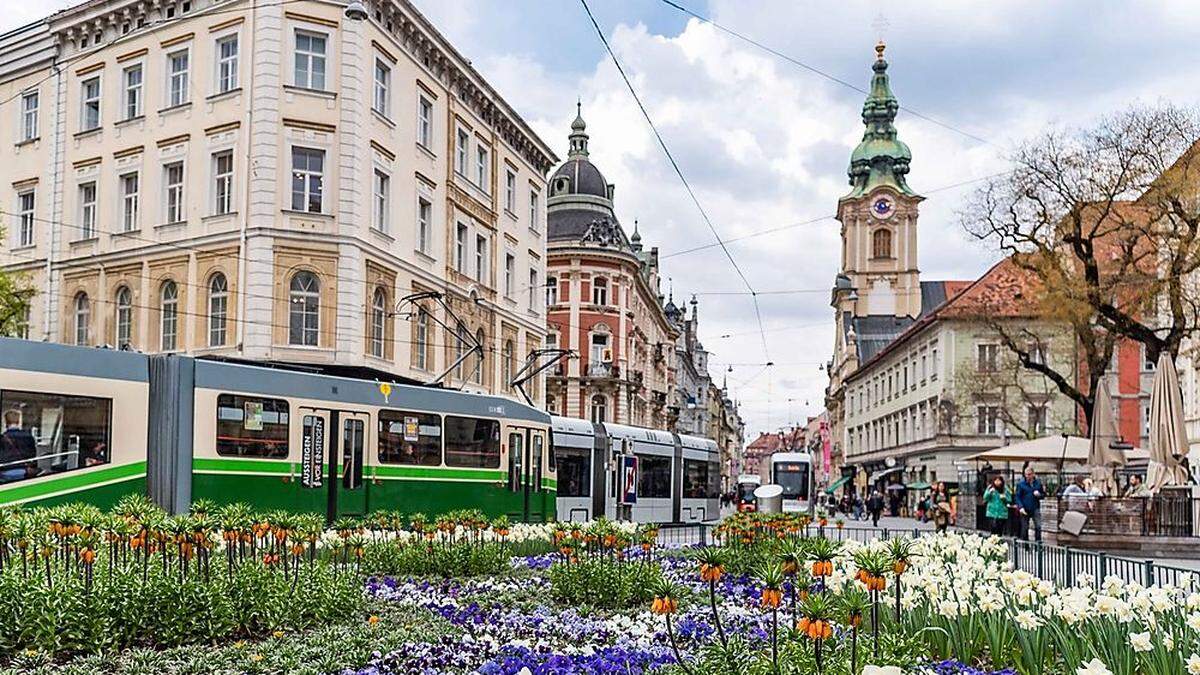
(882, 207)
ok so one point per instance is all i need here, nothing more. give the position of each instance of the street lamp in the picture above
(356, 11)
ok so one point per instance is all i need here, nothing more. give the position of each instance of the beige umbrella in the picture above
(1102, 457)
(1168, 438)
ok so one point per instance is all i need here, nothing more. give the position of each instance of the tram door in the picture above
(351, 488)
(525, 449)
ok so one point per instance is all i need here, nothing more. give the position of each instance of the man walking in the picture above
(1029, 504)
(875, 507)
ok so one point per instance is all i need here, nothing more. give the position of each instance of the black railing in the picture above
(1063, 565)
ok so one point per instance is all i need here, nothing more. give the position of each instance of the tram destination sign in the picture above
(629, 479)
(312, 451)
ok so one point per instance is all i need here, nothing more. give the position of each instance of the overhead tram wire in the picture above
(813, 221)
(817, 71)
(679, 172)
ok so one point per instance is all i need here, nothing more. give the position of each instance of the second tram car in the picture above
(793, 472)
(678, 477)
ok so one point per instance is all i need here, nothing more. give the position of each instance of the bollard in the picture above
(1041, 560)
(1101, 567)
(1149, 573)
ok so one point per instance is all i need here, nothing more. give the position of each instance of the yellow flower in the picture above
(256, 657)
(278, 633)
(373, 619)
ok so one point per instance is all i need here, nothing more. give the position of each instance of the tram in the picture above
(93, 425)
(793, 472)
(678, 476)
(87, 424)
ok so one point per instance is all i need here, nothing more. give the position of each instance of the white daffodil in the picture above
(1093, 667)
(1027, 620)
(1141, 641)
(1193, 664)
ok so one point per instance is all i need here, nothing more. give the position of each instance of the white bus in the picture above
(793, 472)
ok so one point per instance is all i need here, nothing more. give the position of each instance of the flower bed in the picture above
(457, 594)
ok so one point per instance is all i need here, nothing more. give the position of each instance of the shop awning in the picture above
(837, 484)
(1048, 449)
(886, 472)
(919, 485)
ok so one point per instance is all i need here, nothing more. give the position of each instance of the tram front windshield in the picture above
(793, 478)
(746, 492)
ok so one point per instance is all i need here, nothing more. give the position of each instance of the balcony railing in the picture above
(602, 370)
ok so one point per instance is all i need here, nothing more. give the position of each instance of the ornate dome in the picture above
(578, 176)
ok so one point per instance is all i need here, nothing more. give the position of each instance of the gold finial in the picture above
(879, 47)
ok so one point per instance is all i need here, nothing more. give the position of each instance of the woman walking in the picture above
(997, 499)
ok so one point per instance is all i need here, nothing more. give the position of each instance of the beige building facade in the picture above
(271, 181)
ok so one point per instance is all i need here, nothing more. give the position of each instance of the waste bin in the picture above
(769, 498)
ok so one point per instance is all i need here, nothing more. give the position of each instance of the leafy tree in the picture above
(1108, 221)
(16, 293)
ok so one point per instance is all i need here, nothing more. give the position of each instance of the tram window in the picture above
(472, 443)
(696, 481)
(537, 461)
(410, 438)
(51, 433)
(574, 476)
(654, 477)
(252, 427)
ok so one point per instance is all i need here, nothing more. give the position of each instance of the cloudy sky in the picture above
(765, 142)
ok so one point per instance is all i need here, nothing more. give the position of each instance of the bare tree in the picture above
(1107, 219)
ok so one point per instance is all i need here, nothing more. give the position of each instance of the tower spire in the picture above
(881, 158)
(578, 137)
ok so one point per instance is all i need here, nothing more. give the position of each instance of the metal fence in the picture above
(1064, 565)
(1061, 564)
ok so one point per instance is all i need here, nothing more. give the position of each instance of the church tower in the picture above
(879, 275)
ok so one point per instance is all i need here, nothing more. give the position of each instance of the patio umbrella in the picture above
(1168, 438)
(1102, 457)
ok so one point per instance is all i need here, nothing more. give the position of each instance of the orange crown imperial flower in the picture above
(664, 605)
(711, 573)
(771, 598)
(822, 568)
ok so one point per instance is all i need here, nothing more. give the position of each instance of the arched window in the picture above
(599, 291)
(599, 408)
(509, 363)
(421, 340)
(218, 309)
(83, 319)
(460, 346)
(481, 357)
(124, 317)
(378, 318)
(881, 244)
(169, 313)
(533, 385)
(304, 311)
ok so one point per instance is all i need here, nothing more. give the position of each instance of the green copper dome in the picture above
(881, 158)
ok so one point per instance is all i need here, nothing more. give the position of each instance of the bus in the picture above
(793, 472)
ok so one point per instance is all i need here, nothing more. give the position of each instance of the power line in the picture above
(819, 219)
(818, 71)
(678, 172)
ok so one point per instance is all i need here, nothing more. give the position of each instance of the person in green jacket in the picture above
(997, 499)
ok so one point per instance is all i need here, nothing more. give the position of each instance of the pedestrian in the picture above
(17, 448)
(1029, 504)
(939, 504)
(1137, 487)
(857, 501)
(996, 498)
(875, 507)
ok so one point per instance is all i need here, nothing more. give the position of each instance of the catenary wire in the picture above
(678, 172)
